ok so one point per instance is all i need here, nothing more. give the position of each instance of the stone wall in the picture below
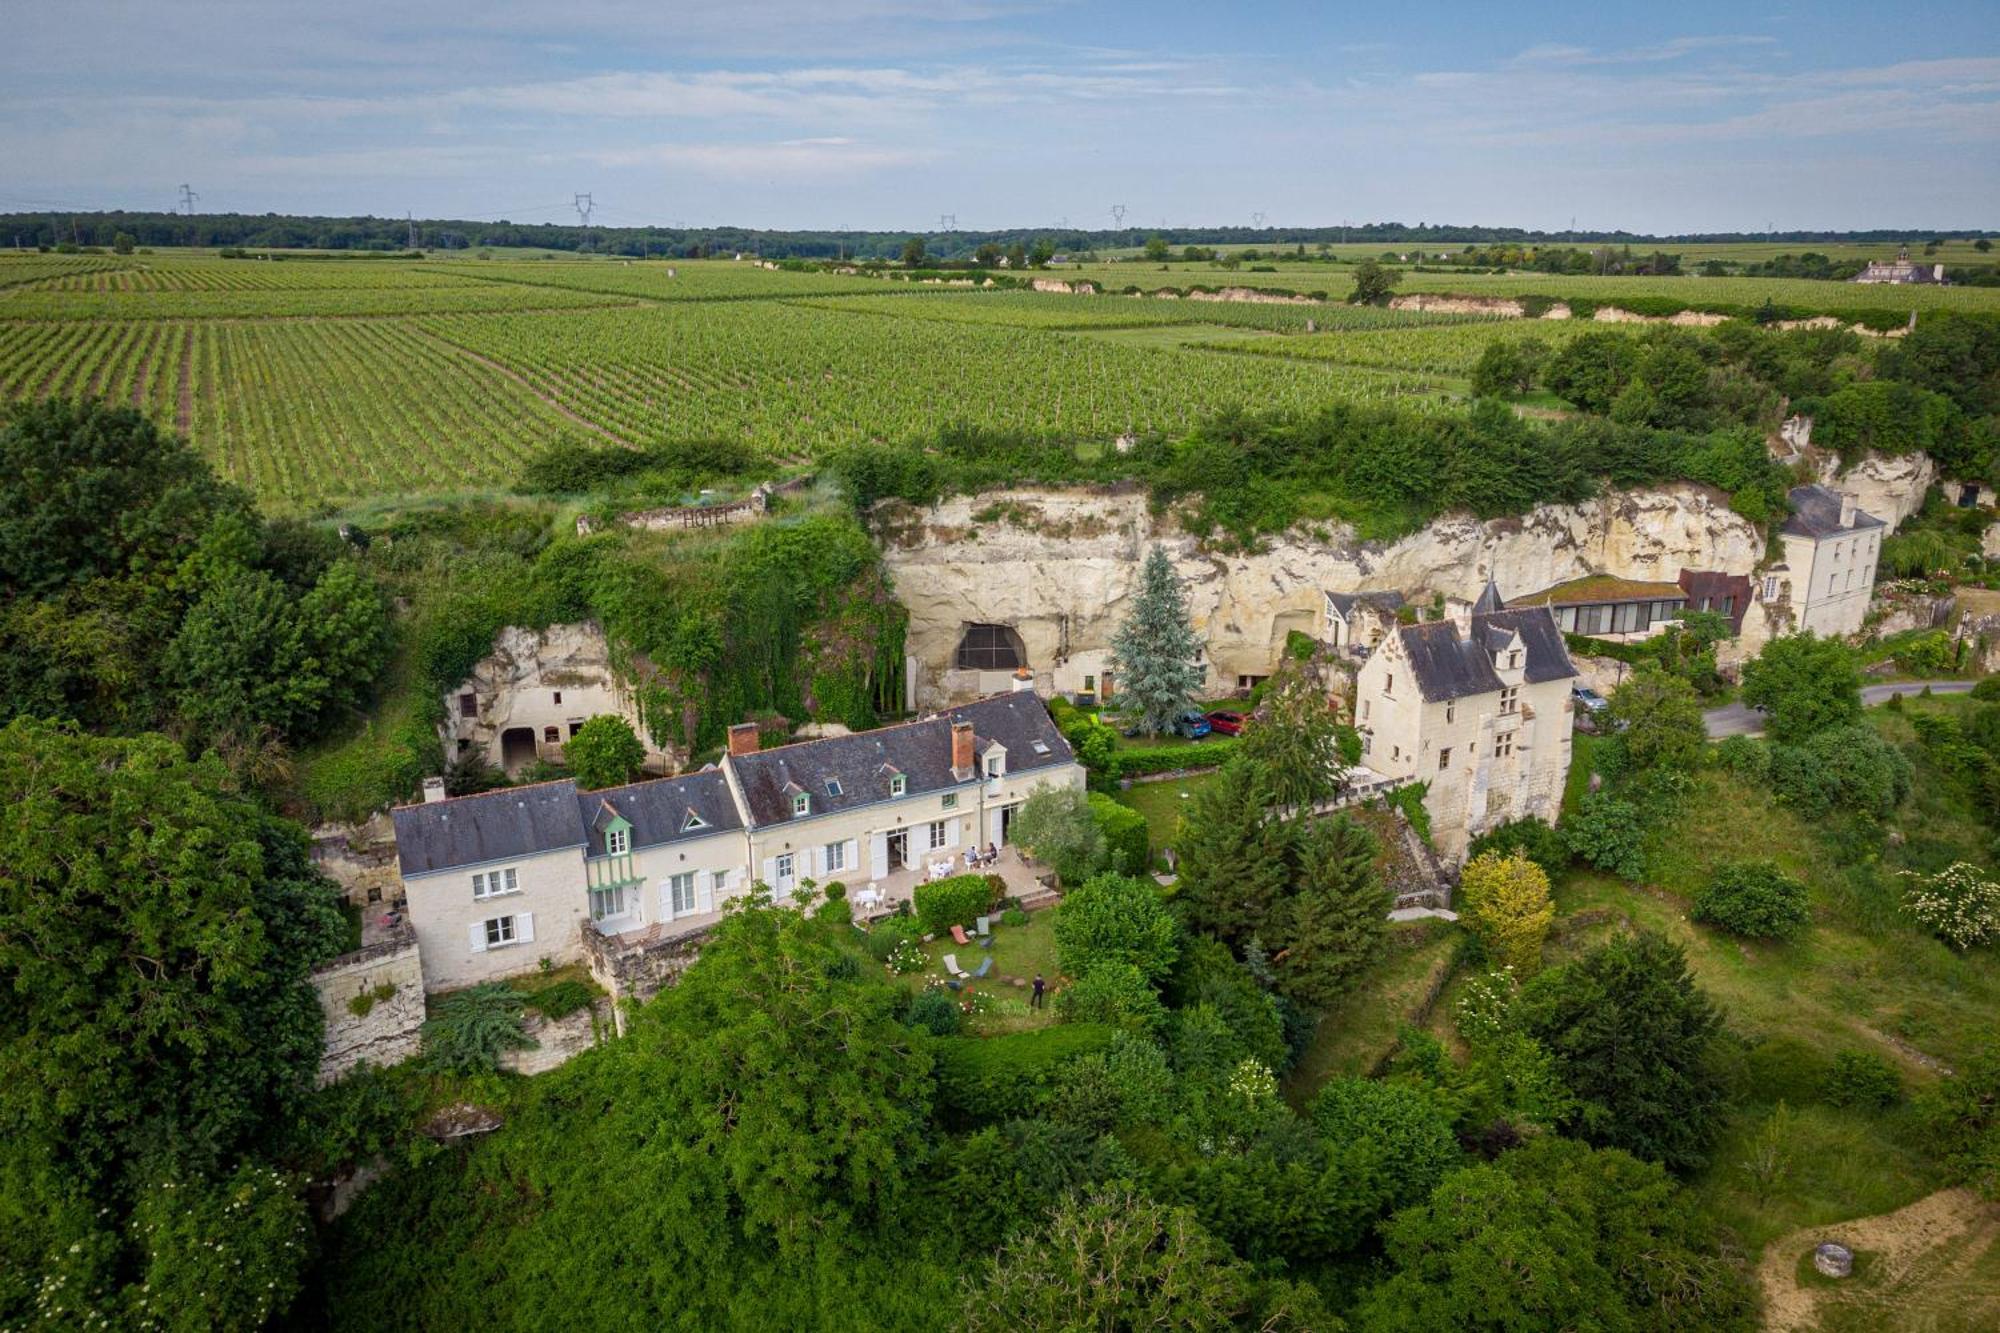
(386, 982)
(558, 1040)
(361, 858)
(639, 971)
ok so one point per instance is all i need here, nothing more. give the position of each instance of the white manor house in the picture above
(499, 881)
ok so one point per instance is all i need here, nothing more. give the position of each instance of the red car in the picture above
(1225, 723)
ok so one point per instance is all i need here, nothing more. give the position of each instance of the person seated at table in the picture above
(971, 857)
(992, 853)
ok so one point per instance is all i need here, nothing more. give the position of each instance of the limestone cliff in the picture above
(1059, 568)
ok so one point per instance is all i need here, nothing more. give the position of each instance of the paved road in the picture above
(1739, 720)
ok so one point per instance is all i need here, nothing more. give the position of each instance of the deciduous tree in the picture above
(1506, 902)
(605, 752)
(1805, 683)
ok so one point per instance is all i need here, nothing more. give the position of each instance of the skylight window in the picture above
(833, 786)
(692, 821)
(1041, 747)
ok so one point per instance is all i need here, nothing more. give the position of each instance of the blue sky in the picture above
(885, 114)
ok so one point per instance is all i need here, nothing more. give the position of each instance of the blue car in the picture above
(1192, 725)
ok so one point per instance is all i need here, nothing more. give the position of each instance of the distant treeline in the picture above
(281, 232)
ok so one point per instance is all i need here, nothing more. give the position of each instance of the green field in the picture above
(324, 383)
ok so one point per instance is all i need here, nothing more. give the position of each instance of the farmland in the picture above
(324, 383)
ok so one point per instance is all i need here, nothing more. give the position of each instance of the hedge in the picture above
(957, 901)
(1125, 834)
(987, 1079)
(1144, 759)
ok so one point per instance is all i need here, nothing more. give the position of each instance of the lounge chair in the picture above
(959, 936)
(985, 966)
(984, 926)
(951, 966)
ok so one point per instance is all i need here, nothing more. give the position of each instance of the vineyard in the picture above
(317, 383)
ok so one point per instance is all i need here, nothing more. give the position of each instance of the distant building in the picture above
(1606, 607)
(1479, 709)
(1901, 269)
(1357, 621)
(1725, 594)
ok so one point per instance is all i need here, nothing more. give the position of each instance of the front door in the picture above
(899, 850)
(1006, 822)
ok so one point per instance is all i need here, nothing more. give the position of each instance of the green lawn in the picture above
(1162, 803)
(1019, 952)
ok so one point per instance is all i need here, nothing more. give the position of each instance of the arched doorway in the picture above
(517, 748)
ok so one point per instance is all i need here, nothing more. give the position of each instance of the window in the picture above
(1510, 698)
(1513, 658)
(1389, 684)
(994, 764)
(617, 842)
(1040, 747)
(1395, 752)
(493, 883)
(558, 694)
(1829, 583)
(1444, 759)
(784, 868)
(680, 893)
(836, 856)
(605, 903)
(718, 881)
(934, 832)
(1364, 710)
(950, 801)
(1451, 710)
(1503, 745)
(833, 786)
(1771, 588)
(552, 735)
(898, 785)
(990, 648)
(801, 804)
(1090, 684)
(575, 725)
(468, 704)
(693, 821)
(1726, 605)
(499, 931)
(1367, 742)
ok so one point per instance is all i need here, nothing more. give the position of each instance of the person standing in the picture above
(1035, 1000)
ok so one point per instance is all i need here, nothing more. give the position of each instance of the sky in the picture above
(887, 114)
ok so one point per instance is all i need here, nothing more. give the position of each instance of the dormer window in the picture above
(898, 785)
(693, 821)
(833, 786)
(801, 805)
(1513, 658)
(617, 841)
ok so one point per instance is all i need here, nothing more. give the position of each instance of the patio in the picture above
(1020, 874)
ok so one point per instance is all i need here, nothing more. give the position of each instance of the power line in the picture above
(188, 196)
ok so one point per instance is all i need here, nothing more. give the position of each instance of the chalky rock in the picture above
(1833, 1260)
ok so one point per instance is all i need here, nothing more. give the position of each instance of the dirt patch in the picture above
(1932, 1266)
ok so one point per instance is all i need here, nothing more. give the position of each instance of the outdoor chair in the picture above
(985, 966)
(959, 936)
(984, 926)
(951, 966)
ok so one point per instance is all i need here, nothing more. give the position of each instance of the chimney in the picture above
(1846, 510)
(1024, 679)
(961, 747)
(744, 738)
(433, 790)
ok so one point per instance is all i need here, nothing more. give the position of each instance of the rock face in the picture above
(526, 698)
(1059, 568)
(373, 1002)
(1889, 486)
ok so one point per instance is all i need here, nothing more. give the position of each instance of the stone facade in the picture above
(361, 858)
(528, 696)
(386, 983)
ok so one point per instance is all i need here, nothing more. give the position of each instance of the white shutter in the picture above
(997, 836)
(853, 858)
(878, 855)
(951, 831)
(524, 927)
(667, 898)
(704, 894)
(478, 940)
(771, 872)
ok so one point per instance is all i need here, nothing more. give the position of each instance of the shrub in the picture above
(1140, 760)
(885, 935)
(1962, 1117)
(1116, 995)
(1753, 898)
(1533, 837)
(1863, 1079)
(935, 1011)
(957, 901)
(1056, 825)
(1848, 767)
(1408, 1125)
(982, 1079)
(1958, 904)
(1987, 690)
(1124, 833)
(560, 999)
(605, 752)
(1116, 919)
(1014, 916)
(1745, 757)
(907, 956)
(472, 1029)
(1609, 834)
(1506, 900)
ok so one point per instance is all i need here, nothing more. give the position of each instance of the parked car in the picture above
(1588, 700)
(1224, 722)
(1191, 725)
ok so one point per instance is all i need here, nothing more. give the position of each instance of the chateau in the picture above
(1479, 709)
(498, 881)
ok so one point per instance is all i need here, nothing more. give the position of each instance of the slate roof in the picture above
(492, 826)
(1385, 602)
(921, 751)
(1712, 586)
(1450, 666)
(1816, 513)
(658, 810)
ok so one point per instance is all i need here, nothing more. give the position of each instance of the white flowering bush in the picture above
(907, 957)
(1958, 904)
(1253, 1081)
(1482, 1008)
